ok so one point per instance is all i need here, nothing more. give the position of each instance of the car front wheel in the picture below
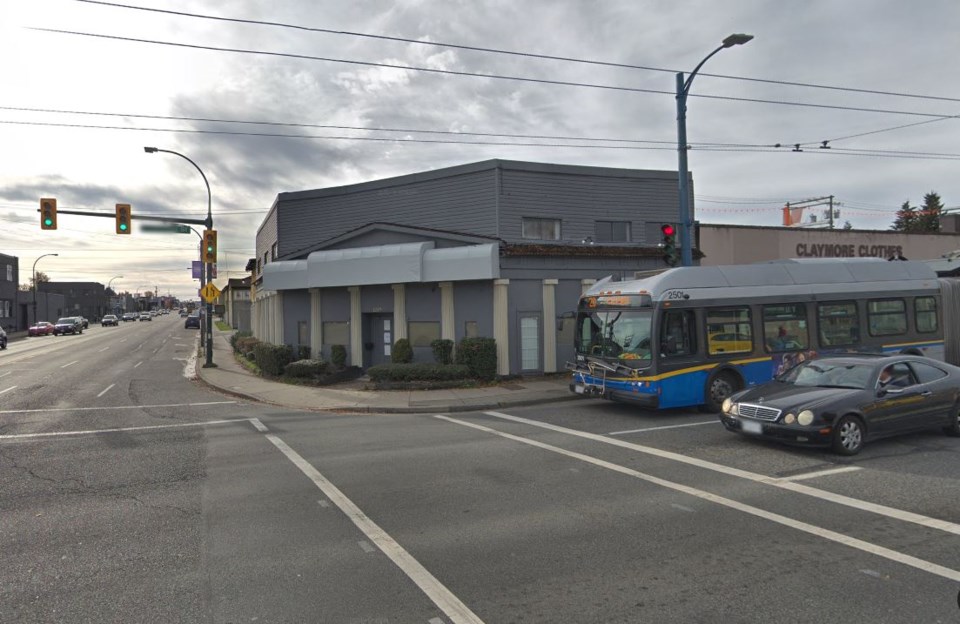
(849, 435)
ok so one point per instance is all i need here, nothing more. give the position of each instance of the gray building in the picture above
(9, 310)
(498, 248)
(88, 299)
(235, 298)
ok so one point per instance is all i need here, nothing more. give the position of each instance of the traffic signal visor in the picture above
(123, 218)
(48, 213)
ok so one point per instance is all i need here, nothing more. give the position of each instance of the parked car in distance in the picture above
(845, 401)
(84, 322)
(109, 319)
(68, 325)
(145, 316)
(3, 338)
(129, 316)
(40, 328)
(193, 320)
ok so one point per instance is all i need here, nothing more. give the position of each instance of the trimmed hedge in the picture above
(303, 352)
(246, 345)
(305, 368)
(338, 355)
(442, 351)
(237, 336)
(480, 356)
(402, 352)
(272, 358)
(417, 372)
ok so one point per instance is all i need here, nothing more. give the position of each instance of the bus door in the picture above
(676, 353)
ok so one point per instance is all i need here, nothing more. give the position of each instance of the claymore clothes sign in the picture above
(827, 250)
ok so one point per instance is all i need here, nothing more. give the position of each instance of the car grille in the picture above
(759, 412)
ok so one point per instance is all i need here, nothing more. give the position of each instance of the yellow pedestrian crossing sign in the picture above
(209, 292)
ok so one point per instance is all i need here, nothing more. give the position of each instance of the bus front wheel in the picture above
(720, 386)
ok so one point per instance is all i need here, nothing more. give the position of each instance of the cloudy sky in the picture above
(291, 105)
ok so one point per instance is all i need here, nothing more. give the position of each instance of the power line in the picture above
(508, 52)
(706, 147)
(450, 72)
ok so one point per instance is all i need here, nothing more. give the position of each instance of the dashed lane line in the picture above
(696, 424)
(7, 390)
(67, 434)
(821, 473)
(114, 407)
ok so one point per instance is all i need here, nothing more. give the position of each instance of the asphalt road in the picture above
(129, 493)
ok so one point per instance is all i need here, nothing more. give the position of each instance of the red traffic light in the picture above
(668, 230)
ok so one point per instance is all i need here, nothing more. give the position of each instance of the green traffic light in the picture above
(48, 221)
(123, 226)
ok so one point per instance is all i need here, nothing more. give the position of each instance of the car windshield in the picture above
(65, 321)
(620, 334)
(825, 373)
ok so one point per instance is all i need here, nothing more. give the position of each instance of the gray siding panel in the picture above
(581, 200)
(463, 203)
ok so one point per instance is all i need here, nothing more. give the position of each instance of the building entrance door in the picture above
(377, 339)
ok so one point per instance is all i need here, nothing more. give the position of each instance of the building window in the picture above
(6, 308)
(422, 333)
(530, 342)
(534, 228)
(471, 329)
(336, 333)
(303, 333)
(273, 252)
(9, 272)
(611, 231)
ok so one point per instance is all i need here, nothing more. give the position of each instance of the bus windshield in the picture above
(620, 334)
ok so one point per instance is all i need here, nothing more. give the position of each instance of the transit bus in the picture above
(692, 336)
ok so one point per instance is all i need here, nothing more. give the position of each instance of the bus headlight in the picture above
(805, 418)
(729, 407)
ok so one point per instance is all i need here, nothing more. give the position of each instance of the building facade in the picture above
(235, 298)
(87, 299)
(500, 249)
(10, 318)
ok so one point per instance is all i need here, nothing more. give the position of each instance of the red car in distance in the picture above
(41, 328)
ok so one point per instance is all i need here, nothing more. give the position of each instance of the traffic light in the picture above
(48, 213)
(123, 218)
(670, 245)
(209, 246)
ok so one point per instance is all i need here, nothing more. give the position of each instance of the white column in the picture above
(356, 327)
(316, 325)
(278, 315)
(448, 329)
(550, 325)
(501, 325)
(399, 312)
(585, 285)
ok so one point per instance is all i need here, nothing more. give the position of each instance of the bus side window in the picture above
(676, 333)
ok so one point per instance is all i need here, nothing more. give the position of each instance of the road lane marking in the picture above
(6, 373)
(107, 389)
(259, 426)
(7, 390)
(103, 349)
(123, 340)
(138, 364)
(366, 547)
(70, 364)
(821, 473)
(114, 407)
(458, 612)
(64, 434)
(696, 424)
(799, 525)
(883, 510)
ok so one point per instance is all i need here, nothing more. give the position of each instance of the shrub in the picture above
(246, 345)
(305, 368)
(417, 372)
(402, 352)
(442, 351)
(338, 355)
(480, 356)
(237, 336)
(303, 352)
(272, 358)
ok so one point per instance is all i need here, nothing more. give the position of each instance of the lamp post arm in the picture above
(686, 85)
(205, 181)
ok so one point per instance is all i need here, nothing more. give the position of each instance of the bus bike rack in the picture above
(590, 368)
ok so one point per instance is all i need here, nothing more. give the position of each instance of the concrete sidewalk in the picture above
(231, 377)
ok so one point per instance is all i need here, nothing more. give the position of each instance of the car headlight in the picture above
(729, 407)
(805, 417)
(789, 419)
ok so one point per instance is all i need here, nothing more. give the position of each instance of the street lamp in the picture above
(683, 88)
(108, 288)
(35, 285)
(208, 267)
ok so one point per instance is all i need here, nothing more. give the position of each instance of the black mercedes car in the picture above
(68, 325)
(844, 401)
